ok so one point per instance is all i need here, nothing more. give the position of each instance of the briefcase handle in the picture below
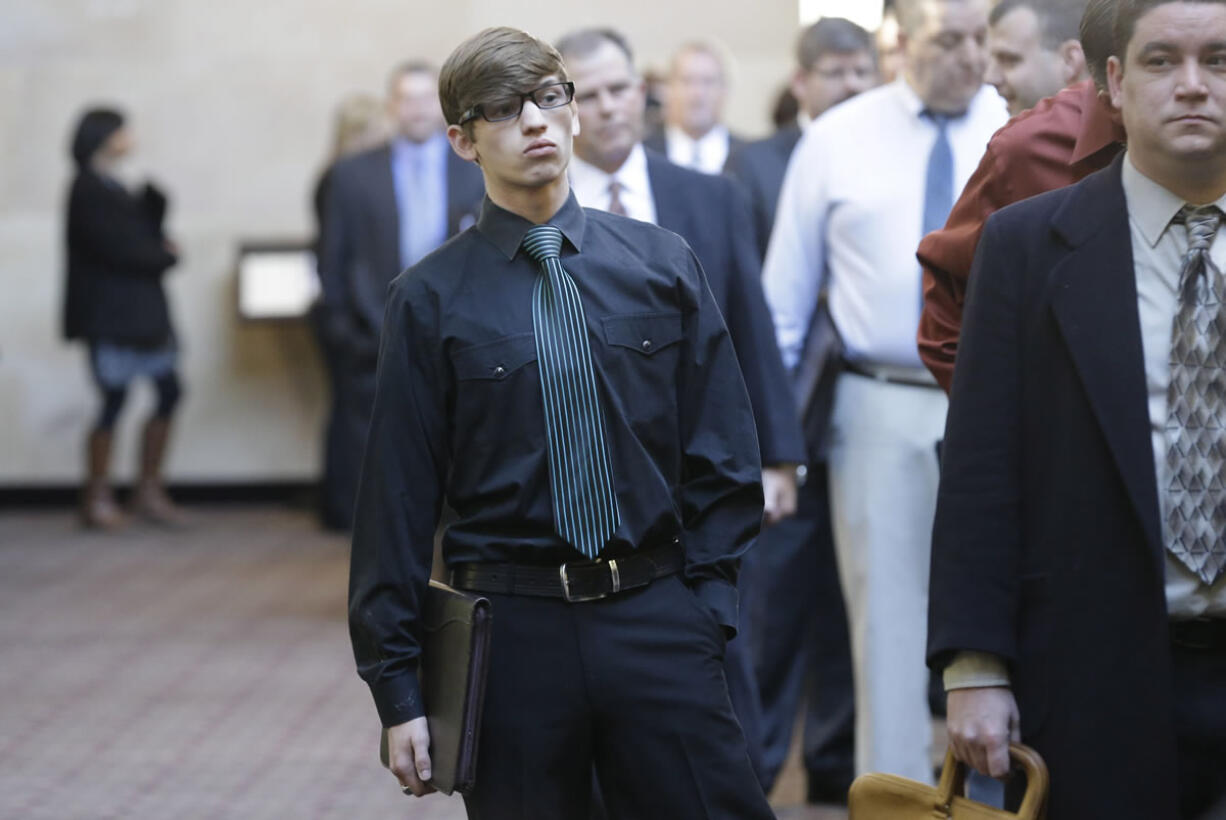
(953, 780)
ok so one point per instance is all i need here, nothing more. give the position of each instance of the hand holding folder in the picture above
(456, 630)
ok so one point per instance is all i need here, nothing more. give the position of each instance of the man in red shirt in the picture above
(1058, 142)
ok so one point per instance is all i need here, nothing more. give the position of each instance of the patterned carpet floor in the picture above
(196, 674)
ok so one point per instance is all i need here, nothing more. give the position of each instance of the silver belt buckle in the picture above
(614, 574)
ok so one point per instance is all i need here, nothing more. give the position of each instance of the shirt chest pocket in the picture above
(494, 361)
(490, 394)
(648, 334)
(643, 355)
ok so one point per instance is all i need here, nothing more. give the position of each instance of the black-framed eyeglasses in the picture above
(553, 95)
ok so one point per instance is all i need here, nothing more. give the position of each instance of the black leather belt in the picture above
(575, 580)
(1199, 634)
(884, 375)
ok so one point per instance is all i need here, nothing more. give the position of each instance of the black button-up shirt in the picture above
(458, 415)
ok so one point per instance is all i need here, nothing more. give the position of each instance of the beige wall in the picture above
(231, 100)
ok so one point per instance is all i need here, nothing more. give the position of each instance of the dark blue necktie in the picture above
(939, 183)
(585, 509)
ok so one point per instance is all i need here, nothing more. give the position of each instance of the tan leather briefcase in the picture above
(890, 797)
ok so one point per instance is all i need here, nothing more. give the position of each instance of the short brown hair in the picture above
(1095, 35)
(1128, 12)
(495, 63)
(832, 35)
(1058, 19)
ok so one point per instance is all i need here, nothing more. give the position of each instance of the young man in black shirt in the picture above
(564, 380)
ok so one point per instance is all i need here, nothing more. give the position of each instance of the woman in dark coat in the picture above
(114, 301)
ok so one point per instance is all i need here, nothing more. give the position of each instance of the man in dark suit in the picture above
(1078, 595)
(612, 171)
(386, 208)
(835, 60)
(800, 641)
(694, 135)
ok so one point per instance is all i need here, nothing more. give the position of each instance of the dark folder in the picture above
(456, 629)
(815, 377)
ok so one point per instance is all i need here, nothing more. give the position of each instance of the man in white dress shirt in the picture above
(694, 134)
(866, 181)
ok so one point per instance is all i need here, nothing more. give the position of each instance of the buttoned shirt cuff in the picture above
(398, 699)
(721, 598)
(969, 670)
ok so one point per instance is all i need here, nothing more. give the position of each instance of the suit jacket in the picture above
(711, 214)
(759, 166)
(360, 243)
(116, 258)
(1047, 546)
(658, 141)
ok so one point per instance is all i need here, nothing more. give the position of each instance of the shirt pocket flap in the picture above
(645, 333)
(494, 360)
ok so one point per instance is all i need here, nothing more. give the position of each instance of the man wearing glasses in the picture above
(563, 379)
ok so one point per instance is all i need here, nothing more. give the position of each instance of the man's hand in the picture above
(981, 723)
(779, 491)
(408, 755)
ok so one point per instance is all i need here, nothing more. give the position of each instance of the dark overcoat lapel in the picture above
(1095, 304)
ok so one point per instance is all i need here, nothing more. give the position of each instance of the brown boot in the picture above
(149, 499)
(98, 507)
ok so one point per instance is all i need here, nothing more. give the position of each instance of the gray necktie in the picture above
(1195, 528)
(585, 511)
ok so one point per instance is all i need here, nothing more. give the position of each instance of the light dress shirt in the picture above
(708, 153)
(850, 217)
(1157, 255)
(419, 175)
(591, 185)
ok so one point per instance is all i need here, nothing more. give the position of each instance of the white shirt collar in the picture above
(712, 147)
(1150, 205)
(591, 185)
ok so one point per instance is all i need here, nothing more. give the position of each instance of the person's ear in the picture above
(464, 145)
(1115, 79)
(1073, 59)
(797, 86)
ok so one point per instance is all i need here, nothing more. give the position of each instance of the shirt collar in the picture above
(632, 175)
(506, 230)
(917, 108)
(1098, 129)
(717, 134)
(1151, 206)
(402, 147)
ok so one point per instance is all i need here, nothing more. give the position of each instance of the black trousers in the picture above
(740, 672)
(352, 382)
(1199, 678)
(632, 685)
(797, 629)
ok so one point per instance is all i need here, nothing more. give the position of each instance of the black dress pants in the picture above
(633, 685)
(797, 629)
(352, 382)
(1199, 678)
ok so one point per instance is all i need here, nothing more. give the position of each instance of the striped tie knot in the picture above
(543, 242)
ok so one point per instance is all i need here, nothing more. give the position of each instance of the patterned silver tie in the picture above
(585, 510)
(1195, 528)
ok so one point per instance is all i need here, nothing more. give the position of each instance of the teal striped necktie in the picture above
(581, 478)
